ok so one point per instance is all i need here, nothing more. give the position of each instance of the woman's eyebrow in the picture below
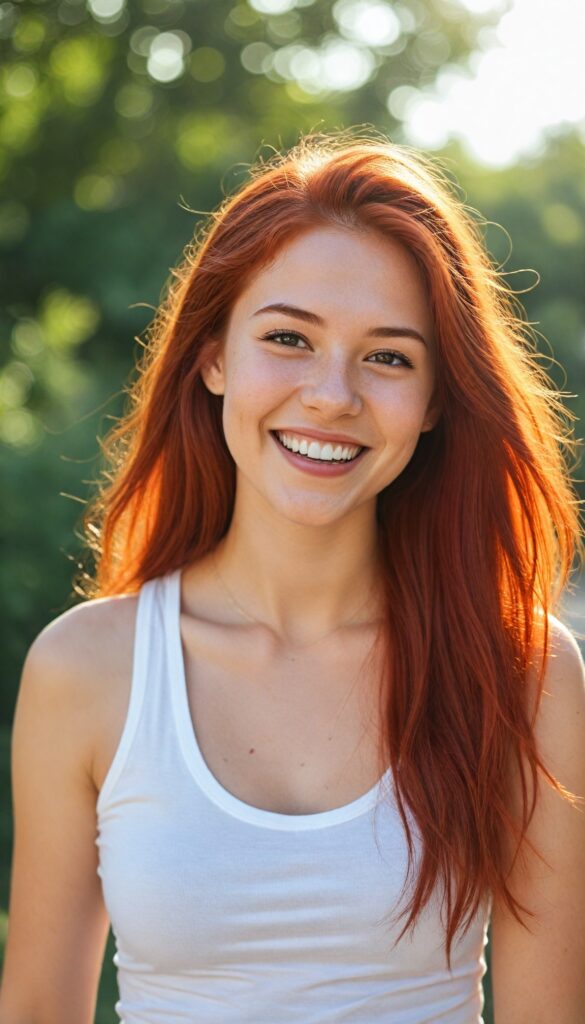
(313, 318)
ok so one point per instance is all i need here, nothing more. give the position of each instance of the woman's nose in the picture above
(331, 388)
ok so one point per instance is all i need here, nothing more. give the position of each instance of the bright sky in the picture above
(530, 75)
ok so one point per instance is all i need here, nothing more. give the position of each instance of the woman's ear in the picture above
(212, 371)
(432, 417)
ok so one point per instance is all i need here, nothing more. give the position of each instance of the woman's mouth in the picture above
(339, 459)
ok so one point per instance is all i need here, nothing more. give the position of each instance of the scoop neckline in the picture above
(196, 762)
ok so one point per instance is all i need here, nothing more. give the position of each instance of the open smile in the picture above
(315, 466)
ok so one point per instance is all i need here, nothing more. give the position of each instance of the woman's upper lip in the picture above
(320, 435)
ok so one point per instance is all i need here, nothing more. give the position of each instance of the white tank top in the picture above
(224, 913)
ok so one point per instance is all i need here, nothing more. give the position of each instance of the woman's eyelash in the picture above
(395, 355)
(275, 335)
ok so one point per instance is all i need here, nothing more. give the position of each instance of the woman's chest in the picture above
(187, 884)
(294, 735)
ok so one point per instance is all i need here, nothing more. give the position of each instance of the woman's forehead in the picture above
(338, 272)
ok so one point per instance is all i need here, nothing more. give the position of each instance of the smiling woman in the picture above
(317, 722)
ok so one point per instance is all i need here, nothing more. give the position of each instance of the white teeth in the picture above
(315, 450)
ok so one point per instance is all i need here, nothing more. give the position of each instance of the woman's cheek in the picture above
(266, 383)
(254, 392)
(403, 407)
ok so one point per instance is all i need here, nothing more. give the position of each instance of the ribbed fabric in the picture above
(224, 913)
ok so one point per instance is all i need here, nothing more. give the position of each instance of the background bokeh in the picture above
(121, 125)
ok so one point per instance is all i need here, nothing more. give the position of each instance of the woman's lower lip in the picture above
(314, 467)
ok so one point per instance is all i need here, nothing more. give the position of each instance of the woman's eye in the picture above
(275, 335)
(387, 354)
(393, 355)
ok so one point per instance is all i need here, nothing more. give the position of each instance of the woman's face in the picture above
(325, 370)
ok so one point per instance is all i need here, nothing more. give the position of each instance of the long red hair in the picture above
(477, 534)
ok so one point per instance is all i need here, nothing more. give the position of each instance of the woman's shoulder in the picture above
(80, 667)
(563, 662)
(560, 722)
(87, 639)
(563, 637)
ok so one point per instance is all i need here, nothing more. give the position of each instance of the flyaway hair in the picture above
(477, 535)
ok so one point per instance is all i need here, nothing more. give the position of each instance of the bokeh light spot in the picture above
(27, 338)
(304, 64)
(16, 380)
(200, 139)
(286, 27)
(141, 39)
(367, 21)
(106, 10)
(19, 124)
(94, 191)
(206, 64)
(67, 319)
(79, 64)
(426, 122)
(256, 57)
(402, 101)
(19, 80)
(562, 224)
(166, 58)
(346, 67)
(134, 100)
(243, 15)
(29, 33)
(19, 428)
(273, 6)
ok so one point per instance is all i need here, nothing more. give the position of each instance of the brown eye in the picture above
(275, 335)
(394, 355)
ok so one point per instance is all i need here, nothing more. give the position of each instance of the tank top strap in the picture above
(148, 683)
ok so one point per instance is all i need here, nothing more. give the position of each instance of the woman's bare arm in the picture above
(538, 976)
(58, 924)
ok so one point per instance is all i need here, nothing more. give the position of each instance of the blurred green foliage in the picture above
(119, 125)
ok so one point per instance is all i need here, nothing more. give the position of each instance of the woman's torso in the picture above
(292, 732)
(257, 886)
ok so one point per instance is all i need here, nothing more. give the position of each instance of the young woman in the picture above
(317, 723)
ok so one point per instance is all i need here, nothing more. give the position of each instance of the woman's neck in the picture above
(301, 581)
